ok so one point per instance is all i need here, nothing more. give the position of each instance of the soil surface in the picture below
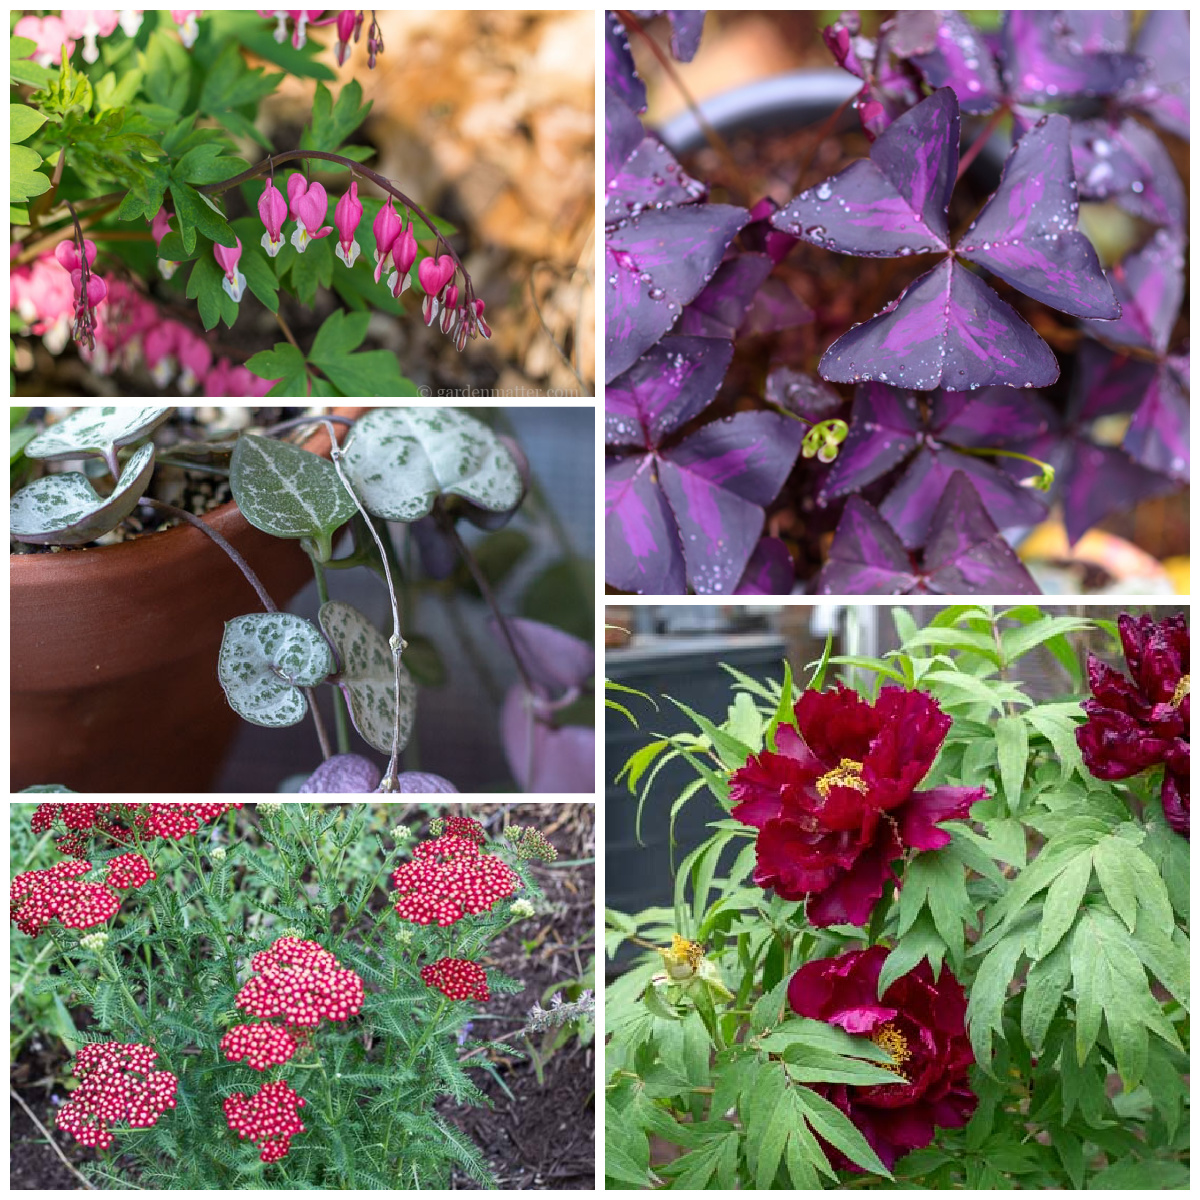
(538, 1135)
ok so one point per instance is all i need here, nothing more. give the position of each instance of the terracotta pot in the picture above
(114, 651)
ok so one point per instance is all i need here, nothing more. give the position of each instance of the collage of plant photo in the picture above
(857, 520)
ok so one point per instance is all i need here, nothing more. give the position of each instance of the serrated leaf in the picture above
(288, 492)
(367, 678)
(1062, 903)
(401, 460)
(65, 510)
(92, 431)
(989, 992)
(264, 662)
(196, 213)
(285, 365)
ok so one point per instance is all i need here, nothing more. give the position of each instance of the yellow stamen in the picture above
(888, 1037)
(683, 959)
(847, 773)
(1182, 689)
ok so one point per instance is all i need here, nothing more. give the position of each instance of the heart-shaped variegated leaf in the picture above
(288, 492)
(96, 431)
(65, 510)
(400, 460)
(265, 661)
(366, 676)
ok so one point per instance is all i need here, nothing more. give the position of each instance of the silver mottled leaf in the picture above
(288, 492)
(401, 459)
(65, 510)
(366, 676)
(97, 430)
(265, 659)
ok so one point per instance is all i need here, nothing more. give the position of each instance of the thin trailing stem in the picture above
(827, 127)
(287, 333)
(341, 726)
(390, 783)
(978, 144)
(238, 561)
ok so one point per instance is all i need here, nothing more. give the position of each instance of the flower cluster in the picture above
(836, 803)
(37, 897)
(262, 1045)
(128, 871)
(462, 827)
(301, 982)
(922, 1026)
(458, 978)
(1134, 724)
(269, 1118)
(121, 820)
(529, 843)
(117, 1083)
(175, 821)
(450, 878)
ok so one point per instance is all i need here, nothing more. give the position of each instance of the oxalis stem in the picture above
(390, 782)
(268, 165)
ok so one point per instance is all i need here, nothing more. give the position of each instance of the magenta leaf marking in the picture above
(1125, 161)
(619, 71)
(642, 550)
(770, 571)
(623, 133)
(1164, 92)
(961, 59)
(719, 310)
(649, 178)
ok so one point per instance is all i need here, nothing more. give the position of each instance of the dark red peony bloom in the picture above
(1134, 724)
(837, 802)
(921, 1024)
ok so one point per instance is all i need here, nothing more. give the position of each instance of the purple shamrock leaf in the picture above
(642, 552)
(775, 308)
(1159, 434)
(1164, 92)
(649, 178)
(623, 134)
(686, 27)
(760, 234)
(947, 328)
(719, 310)
(805, 395)
(619, 71)
(770, 571)
(961, 59)
(1047, 55)
(1125, 161)
(1101, 480)
(965, 553)
(654, 265)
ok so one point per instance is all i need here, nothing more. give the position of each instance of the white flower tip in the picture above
(300, 238)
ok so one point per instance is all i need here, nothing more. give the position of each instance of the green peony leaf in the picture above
(366, 676)
(96, 431)
(265, 659)
(288, 492)
(65, 510)
(401, 459)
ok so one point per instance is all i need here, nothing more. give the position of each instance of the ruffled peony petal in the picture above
(920, 816)
(1176, 802)
(1116, 746)
(841, 991)
(848, 900)
(837, 724)
(758, 788)
(789, 863)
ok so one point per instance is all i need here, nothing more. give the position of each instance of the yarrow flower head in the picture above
(129, 871)
(270, 1118)
(448, 879)
(836, 802)
(922, 1026)
(458, 978)
(522, 908)
(402, 833)
(463, 827)
(1136, 723)
(262, 1045)
(117, 1083)
(529, 843)
(38, 897)
(95, 941)
(301, 982)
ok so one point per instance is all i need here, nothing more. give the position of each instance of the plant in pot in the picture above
(428, 468)
(909, 450)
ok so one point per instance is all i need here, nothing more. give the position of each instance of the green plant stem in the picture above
(433, 1024)
(340, 722)
(218, 932)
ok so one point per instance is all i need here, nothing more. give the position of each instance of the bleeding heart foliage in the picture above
(967, 428)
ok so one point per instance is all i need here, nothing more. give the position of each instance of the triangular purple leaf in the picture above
(1100, 481)
(989, 417)
(885, 426)
(686, 27)
(642, 549)
(760, 235)
(1164, 93)
(1026, 232)
(961, 59)
(893, 204)
(770, 571)
(1158, 435)
(946, 329)
(1106, 382)
(654, 265)
(966, 555)
(649, 178)
(775, 307)
(866, 558)
(800, 393)
(1125, 161)
(720, 309)
(623, 133)
(664, 389)
(749, 454)
(619, 71)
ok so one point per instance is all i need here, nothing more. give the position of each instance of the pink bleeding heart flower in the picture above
(97, 289)
(158, 351)
(189, 29)
(273, 211)
(90, 23)
(435, 273)
(195, 358)
(346, 217)
(479, 323)
(234, 282)
(67, 253)
(309, 206)
(386, 229)
(345, 31)
(404, 254)
(297, 185)
(450, 313)
(131, 21)
(49, 33)
(159, 228)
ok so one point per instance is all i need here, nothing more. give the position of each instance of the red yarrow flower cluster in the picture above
(458, 978)
(450, 878)
(119, 821)
(262, 1045)
(118, 1083)
(38, 897)
(129, 871)
(461, 827)
(301, 982)
(836, 802)
(270, 1118)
